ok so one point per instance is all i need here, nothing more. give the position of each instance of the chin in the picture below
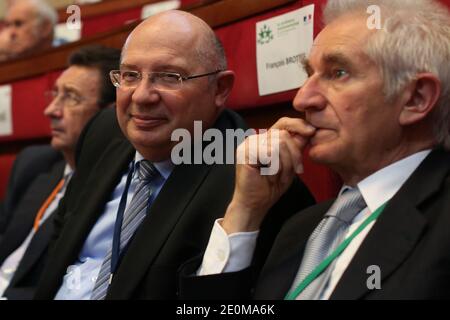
(323, 154)
(57, 145)
(151, 138)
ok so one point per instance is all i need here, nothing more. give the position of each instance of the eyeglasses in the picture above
(166, 81)
(67, 98)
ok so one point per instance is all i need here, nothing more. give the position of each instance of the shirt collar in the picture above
(67, 175)
(67, 170)
(164, 167)
(382, 185)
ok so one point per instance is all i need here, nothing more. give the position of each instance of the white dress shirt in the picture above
(231, 253)
(11, 263)
(80, 277)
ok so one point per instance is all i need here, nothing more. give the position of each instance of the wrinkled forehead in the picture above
(83, 80)
(21, 12)
(346, 37)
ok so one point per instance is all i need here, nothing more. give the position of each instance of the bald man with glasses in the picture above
(130, 216)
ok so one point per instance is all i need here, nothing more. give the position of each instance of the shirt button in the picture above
(221, 255)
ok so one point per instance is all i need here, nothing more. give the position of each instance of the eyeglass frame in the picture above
(53, 94)
(180, 77)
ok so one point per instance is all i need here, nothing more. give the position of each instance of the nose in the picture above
(12, 32)
(310, 96)
(9, 33)
(54, 109)
(145, 93)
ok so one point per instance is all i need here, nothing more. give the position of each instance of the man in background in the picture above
(28, 28)
(40, 173)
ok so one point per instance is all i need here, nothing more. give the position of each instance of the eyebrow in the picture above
(69, 88)
(158, 68)
(306, 66)
(128, 66)
(335, 58)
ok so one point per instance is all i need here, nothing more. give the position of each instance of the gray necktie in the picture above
(133, 217)
(327, 236)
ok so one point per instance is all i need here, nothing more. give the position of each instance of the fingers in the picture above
(271, 151)
(298, 128)
(267, 164)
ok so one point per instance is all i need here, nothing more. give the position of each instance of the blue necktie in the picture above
(133, 217)
(325, 239)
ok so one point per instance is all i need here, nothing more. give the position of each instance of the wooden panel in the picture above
(223, 12)
(105, 7)
(215, 13)
(56, 58)
(17, 146)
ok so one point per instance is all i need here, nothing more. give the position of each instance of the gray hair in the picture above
(415, 38)
(44, 11)
(211, 51)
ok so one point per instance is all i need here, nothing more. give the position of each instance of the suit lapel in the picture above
(398, 229)
(160, 221)
(286, 255)
(22, 222)
(96, 192)
(387, 245)
(35, 250)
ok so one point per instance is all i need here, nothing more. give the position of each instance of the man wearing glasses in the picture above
(130, 216)
(41, 173)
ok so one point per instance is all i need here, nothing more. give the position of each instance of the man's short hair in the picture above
(212, 52)
(415, 38)
(103, 59)
(44, 11)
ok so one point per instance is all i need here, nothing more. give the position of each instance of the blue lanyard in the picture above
(115, 252)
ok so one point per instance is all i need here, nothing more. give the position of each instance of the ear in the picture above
(420, 98)
(225, 81)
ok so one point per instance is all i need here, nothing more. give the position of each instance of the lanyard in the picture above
(115, 251)
(46, 204)
(327, 261)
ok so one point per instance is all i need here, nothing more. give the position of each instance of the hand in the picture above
(254, 192)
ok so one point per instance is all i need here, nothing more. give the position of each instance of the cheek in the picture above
(75, 122)
(176, 106)
(123, 102)
(29, 36)
(361, 122)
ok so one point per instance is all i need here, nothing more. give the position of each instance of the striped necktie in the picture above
(325, 239)
(133, 217)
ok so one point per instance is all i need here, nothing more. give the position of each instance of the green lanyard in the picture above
(326, 262)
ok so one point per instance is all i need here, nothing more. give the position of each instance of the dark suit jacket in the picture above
(36, 172)
(177, 225)
(410, 243)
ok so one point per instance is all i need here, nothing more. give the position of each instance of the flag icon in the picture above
(307, 19)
